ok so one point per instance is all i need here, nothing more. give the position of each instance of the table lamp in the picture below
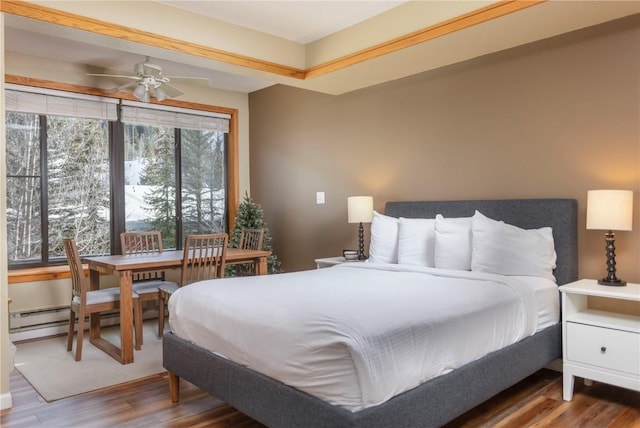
(610, 210)
(360, 210)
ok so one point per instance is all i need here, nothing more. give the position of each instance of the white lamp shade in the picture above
(609, 209)
(140, 91)
(360, 209)
(160, 94)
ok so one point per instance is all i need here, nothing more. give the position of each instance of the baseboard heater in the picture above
(47, 322)
(38, 318)
(53, 321)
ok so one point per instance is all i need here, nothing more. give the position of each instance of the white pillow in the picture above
(416, 241)
(453, 243)
(383, 247)
(509, 250)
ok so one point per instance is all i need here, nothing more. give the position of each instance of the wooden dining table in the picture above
(123, 267)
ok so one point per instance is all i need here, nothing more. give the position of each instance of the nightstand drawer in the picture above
(603, 347)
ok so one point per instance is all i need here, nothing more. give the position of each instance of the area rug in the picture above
(54, 373)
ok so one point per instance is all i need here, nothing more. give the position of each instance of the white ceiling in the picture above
(306, 23)
(301, 21)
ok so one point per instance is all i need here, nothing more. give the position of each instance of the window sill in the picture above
(40, 274)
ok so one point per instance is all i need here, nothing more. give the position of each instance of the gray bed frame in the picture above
(430, 404)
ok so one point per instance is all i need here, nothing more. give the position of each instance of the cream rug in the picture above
(54, 373)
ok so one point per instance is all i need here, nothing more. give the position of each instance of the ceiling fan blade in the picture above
(122, 87)
(170, 90)
(123, 76)
(199, 81)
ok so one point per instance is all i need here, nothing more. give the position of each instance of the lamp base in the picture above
(614, 282)
(611, 278)
(361, 255)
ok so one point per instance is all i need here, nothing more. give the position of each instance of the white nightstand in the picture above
(331, 261)
(596, 344)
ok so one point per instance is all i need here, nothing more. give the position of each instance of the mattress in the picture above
(357, 334)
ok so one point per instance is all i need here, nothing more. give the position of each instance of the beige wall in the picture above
(551, 119)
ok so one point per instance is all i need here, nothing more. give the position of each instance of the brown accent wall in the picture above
(555, 118)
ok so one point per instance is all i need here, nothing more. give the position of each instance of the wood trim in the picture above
(493, 11)
(78, 89)
(48, 273)
(88, 90)
(233, 172)
(79, 22)
(41, 13)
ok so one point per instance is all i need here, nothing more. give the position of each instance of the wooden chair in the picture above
(141, 242)
(204, 258)
(85, 301)
(145, 284)
(250, 239)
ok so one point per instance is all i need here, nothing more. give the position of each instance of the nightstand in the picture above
(331, 261)
(596, 344)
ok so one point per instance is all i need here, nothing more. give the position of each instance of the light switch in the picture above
(319, 198)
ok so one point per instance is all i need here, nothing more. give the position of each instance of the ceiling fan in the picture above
(149, 82)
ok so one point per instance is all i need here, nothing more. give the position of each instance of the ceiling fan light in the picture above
(141, 92)
(160, 94)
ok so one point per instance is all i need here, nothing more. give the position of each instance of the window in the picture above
(57, 175)
(69, 163)
(77, 184)
(24, 234)
(150, 180)
(61, 181)
(203, 182)
(170, 150)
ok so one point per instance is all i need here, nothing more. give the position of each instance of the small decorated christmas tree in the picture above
(250, 216)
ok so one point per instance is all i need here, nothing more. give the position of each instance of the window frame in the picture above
(116, 158)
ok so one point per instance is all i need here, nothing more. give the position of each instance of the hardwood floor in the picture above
(534, 402)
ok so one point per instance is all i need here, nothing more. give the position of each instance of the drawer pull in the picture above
(603, 349)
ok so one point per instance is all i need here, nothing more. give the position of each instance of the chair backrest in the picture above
(79, 280)
(251, 239)
(142, 243)
(204, 257)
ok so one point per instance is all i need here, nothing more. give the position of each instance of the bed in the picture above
(433, 402)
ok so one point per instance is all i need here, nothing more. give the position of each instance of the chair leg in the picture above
(72, 321)
(161, 304)
(137, 320)
(81, 316)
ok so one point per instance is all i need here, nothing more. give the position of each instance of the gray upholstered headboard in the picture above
(559, 214)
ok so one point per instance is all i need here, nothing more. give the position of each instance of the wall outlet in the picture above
(319, 198)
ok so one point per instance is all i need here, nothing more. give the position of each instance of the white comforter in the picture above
(358, 334)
